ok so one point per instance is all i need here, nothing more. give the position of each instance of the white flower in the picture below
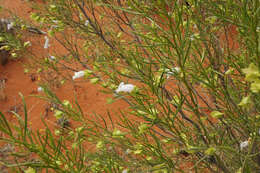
(27, 43)
(52, 58)
(43, 32)
(176, 69)
(39, 89)
(54, 26)
(10, 25)
(86, 23)
(125, 171)
(55, 21)
(78, 74)
(243, 145)
(259, 131)
(128, 151)
(172, 71)
(125, 87)
(46, 44)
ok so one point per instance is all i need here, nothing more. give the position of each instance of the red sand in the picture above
(89, 96)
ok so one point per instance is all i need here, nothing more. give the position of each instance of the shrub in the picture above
(10, 40)
(193, 97)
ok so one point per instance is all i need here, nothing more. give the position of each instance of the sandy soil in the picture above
(88, 95)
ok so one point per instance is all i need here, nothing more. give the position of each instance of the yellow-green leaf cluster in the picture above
(252, 75)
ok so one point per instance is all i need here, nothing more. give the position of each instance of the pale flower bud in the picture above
(125, 171)
(10, 25)
(39, 89)
(125, 88)
(27, 43)
(46, 44)
(86, 23)
(172, 71)
(244, 145)
(78, 74)
(52, 58)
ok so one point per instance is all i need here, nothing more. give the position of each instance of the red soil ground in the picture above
(89, 96)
